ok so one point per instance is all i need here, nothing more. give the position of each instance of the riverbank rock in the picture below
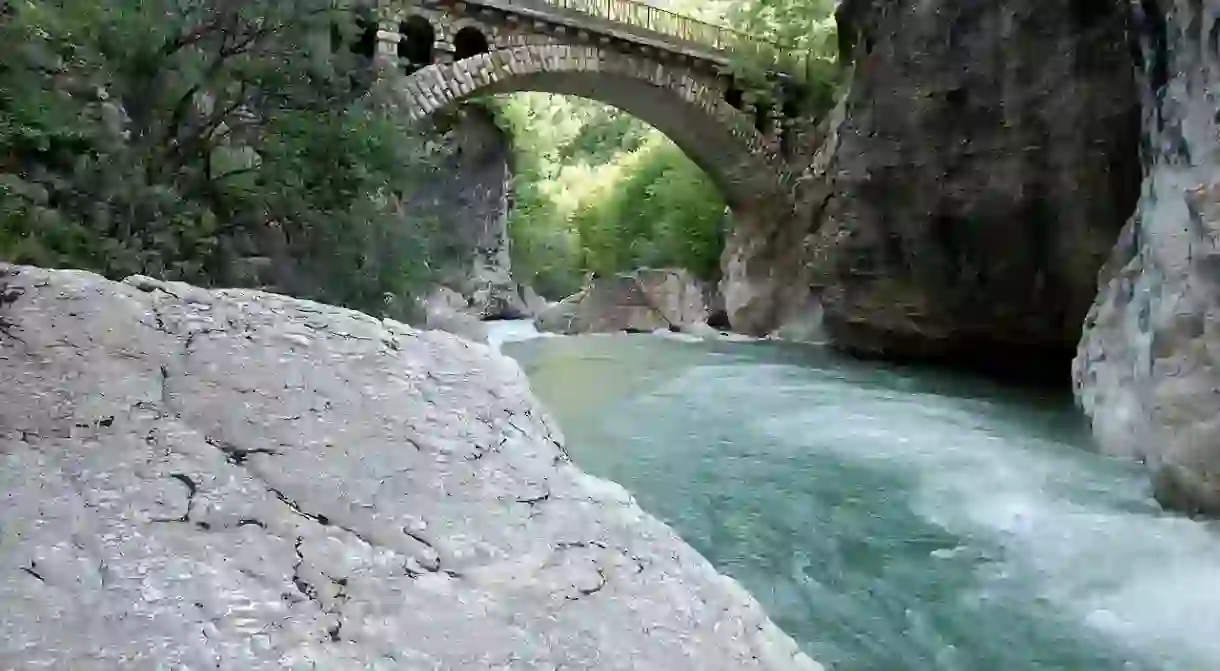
(768, 259)
(641, 301)
(1148, 367)
(519, 301)
(534, 303)
(240, 480)
(986, 160)
(446, 310)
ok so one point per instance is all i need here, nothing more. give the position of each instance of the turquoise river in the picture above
(892, 518)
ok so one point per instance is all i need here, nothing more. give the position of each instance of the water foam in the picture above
(513, 330)
(1082, 537)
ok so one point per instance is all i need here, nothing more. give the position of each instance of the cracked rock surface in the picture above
(1147, 370)
(238, 480)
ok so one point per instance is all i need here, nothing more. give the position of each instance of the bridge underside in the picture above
(716, 136)
(741, 177)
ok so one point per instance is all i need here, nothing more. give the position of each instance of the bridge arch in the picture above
(469, 42)
(417, 44)
(717, 137)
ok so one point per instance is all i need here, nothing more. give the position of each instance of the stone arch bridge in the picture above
(668, 70)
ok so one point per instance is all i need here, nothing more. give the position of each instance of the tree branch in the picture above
(225, 53)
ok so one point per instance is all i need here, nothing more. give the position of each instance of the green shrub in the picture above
(184, 140)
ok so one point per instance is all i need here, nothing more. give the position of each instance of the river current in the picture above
(891, 518)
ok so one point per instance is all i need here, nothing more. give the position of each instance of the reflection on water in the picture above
(892, 518)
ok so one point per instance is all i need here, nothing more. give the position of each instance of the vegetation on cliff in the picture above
(239, 144)
(213, 142)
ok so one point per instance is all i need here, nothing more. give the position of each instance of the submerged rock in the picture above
(239, 480)
(641, 301)
(1148, 367)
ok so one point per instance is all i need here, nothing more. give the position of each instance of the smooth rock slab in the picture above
(239, 480)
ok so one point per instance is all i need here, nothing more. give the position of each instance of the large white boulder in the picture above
(239, 480)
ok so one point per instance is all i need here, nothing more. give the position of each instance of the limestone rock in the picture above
(560, 317)
(239, 480)
(534, 302)
(676, 294)
(498, 300)
(471, 205)
(806, 326)
(444, 298)
(458, 323)
(447, 310)
(513, 301)
(641, 301)
(768, 257)
(1148, 367)
(985, 163)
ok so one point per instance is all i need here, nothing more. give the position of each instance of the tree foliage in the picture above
(803, 25)
(238, 142)
(599, 191)
(211, 141)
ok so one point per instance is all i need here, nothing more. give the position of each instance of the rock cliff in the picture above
(469, 202)
(239, 480)
(984, 160)
(1147, 367)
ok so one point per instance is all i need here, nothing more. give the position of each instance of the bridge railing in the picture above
(664, 22)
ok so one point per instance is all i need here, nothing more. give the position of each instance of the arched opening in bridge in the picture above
(468, 42)
(734, 96)
(655, 174)
(762, 117)
(790, 110)
(415, 44)
(365, 42)
(607, 193)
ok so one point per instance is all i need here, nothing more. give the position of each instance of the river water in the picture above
(890, 518)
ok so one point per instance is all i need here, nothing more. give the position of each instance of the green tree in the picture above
(598, 190)
(191, 140)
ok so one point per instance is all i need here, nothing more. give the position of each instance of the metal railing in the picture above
(665, 22)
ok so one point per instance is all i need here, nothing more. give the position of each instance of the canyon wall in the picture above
(984, 161)
(1146, 368)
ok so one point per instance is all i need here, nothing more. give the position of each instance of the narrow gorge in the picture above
(866, 335)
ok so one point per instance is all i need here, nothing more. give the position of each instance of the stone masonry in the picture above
(670, 83)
